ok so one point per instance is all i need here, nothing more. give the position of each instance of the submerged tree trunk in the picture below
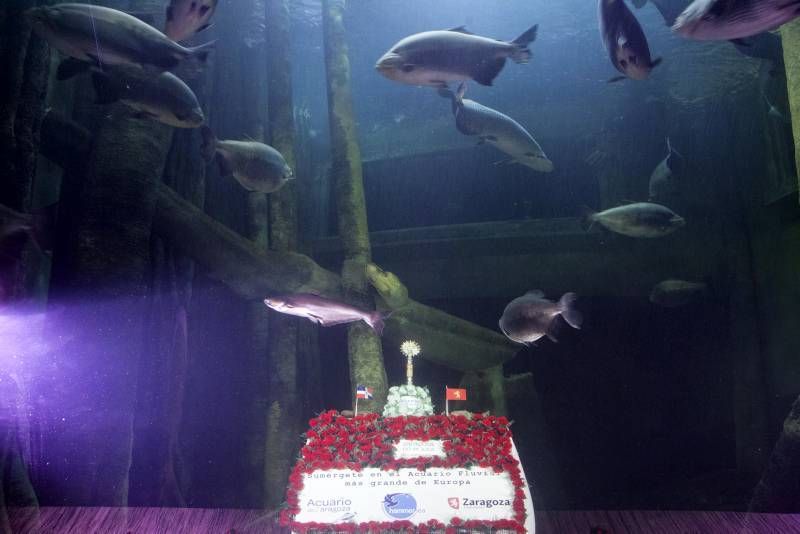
(24, 62)
(366, 358)
(283, 422)
(790, 35)
(253, 273)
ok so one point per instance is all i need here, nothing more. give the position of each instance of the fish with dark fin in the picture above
(530, 317)
(185, 18)
(497, 129)
(638, 219)
(325, 311)
(256, 166)
(436, 58)
(164, 97)
(104, 36)
(624, 40)
(725, 20)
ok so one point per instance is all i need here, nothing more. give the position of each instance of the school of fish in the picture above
(130, 62)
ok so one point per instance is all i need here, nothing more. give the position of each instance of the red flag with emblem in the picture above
(456, 394)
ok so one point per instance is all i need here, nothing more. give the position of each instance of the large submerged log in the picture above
(283, 415)
(790, 34)
(366, 357)
(254, 273)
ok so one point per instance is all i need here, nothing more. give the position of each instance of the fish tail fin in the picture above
(106, 91)
(568, 311)
(522, 53)
(209, 145)
(587, 218)
(377, 319)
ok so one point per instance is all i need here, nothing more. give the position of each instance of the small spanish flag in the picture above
(456, 394)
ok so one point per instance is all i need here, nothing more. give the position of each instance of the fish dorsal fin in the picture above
(460, 29)
(535, 293)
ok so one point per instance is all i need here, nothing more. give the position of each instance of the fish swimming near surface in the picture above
(105, 36)
(256, 166)
(762, 46)
(624, 40)
(733, 19)
(325, 311)
(163, 97)
(498, 130)
(661, 180)
(638, 219)
(185, 18)
(675, 293)
(435, 58)
(530, 317)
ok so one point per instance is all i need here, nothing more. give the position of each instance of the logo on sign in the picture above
(399, 505)
(454, 502)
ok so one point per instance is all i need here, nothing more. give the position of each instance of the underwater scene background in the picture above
(140, 367)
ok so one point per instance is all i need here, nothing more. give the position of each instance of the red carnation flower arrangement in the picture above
(338, 442)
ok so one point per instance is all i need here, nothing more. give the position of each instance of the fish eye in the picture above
(623, 64)
(407, 68)
(204, 10)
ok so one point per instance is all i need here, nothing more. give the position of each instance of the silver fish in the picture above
(188, 17)
(675, 293)
(435, 58)
(325, 311)
(497, 129)
(640, 219)
(733, 19)
(624, 40)
(256, 166)
(530, 317)
(661, 181)
(105, 36)
(163, 97)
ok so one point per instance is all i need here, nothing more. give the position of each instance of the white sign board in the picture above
(407, 448)
(344, 496)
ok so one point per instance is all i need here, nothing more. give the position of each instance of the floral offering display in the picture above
(367, 441)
